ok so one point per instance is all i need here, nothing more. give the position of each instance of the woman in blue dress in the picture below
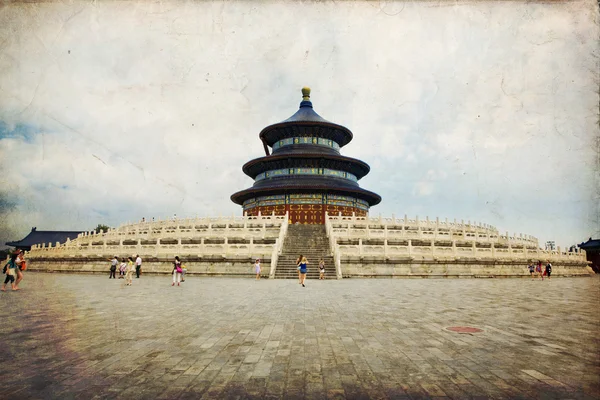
(302, 265)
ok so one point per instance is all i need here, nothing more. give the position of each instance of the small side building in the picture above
(38, 237)
(592, 251)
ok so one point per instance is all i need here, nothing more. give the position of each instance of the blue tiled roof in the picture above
(39, 237)
(590, 244)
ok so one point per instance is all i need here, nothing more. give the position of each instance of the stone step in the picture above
(311, 242)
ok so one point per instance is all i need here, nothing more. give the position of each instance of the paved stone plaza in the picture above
(85, 336)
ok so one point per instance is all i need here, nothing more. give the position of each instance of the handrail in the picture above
(278, 248)
(333, 246)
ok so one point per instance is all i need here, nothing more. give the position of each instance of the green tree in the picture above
(104, 228)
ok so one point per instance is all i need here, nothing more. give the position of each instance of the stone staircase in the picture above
(311, 241)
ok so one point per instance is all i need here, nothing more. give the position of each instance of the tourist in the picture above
(257, 269)
(138, 266)
(531, 270)
(10, 271)
(322, 269)
(113, 267)
(122, 268)
(20, 263)
(183, 272)
(303, 264)
(129, 272)
(548, 270)
(538, 269)
(176, 271)
(298, 260)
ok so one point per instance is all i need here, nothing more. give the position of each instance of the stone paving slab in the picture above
(85, 336)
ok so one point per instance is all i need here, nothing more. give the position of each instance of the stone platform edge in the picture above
(207, 265)
(407, 267)
(352, 267)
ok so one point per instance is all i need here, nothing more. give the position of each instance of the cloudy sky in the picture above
(484, 111)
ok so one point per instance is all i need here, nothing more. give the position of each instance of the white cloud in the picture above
(137, 109)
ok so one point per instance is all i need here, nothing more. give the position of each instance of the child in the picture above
(183, 271)
(257, 269)
(122, 269)
(321, 269)
(531, 270)
(130, 269)
(10, 271)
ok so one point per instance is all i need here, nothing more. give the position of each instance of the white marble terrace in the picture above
(432, 239)
(263, 236)
(258, 236)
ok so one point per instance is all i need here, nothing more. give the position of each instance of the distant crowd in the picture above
(539, 271)
(128, 267)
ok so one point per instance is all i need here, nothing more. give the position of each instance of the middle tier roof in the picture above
(306, 160)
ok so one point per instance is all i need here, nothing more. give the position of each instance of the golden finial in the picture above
(305, 93)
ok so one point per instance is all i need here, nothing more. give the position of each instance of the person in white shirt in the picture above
(257, 269)
(20, 259)
(138, 266)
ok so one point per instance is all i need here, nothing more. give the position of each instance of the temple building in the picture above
(305, 175)
(306, 200)
(36, 237)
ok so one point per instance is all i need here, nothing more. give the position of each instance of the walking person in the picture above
(129, 272)
(113, 267)
(138, 266)
(303, 269)
(548, 270)
(10, 271)
(176, 271)
(321, 269)
(531, 270)
(298, 260)
(257, 269)
(122, 268)
(538, 270)
(20, 263)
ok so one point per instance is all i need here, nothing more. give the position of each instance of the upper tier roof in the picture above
(306, 117)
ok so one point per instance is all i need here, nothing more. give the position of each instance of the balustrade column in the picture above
(360, 248)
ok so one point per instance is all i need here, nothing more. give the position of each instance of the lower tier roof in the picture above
(305, 184)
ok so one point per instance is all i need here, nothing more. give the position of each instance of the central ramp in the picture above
(311, 241)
